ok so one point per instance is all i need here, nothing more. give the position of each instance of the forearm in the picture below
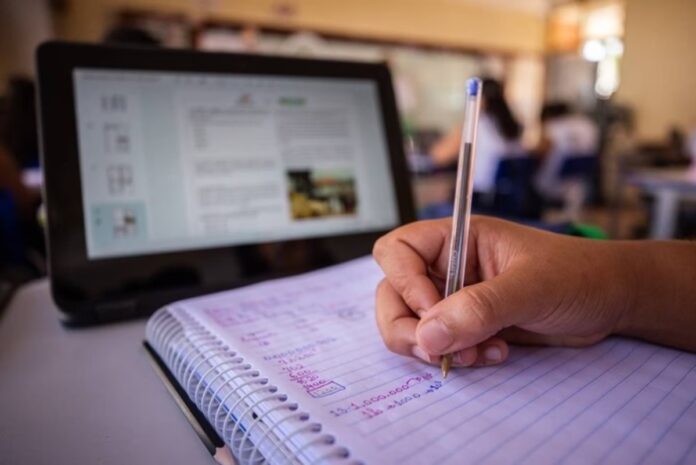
(660, 279)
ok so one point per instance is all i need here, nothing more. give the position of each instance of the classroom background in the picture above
(589, 117)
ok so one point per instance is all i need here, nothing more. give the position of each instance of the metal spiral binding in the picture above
(229, 391)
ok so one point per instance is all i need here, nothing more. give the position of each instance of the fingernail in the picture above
(435, 336)
(492, 354)
(420, 353)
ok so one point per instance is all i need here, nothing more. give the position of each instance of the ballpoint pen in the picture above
(205, 431)
(462, 199)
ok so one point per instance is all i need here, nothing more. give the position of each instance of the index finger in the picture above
(406, 254)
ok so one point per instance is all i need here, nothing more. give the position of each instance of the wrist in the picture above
(658, 279)
(627, 265)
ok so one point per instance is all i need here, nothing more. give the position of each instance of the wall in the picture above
(457, 23)
(659, 66)
(23, 25)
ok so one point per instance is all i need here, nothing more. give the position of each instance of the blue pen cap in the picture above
(473, 86)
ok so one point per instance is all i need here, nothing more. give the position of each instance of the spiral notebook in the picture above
(294, 371)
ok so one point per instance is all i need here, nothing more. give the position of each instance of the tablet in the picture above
(173, 173)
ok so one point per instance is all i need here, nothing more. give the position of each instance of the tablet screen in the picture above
(173, 161)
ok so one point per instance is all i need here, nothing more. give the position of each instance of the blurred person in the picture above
(130, 35)
(19, 146)
(18, 129)
(21, 238)
(676, 144)
(25, 198)
(565, 134)
(498, 137)
(691, 147)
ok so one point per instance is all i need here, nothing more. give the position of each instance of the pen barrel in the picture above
(463, 190)
(470, 124)
(460, 222)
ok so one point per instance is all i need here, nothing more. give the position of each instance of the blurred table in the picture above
(668, 187)
(83, 396)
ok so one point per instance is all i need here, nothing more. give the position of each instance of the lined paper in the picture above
(314, 336)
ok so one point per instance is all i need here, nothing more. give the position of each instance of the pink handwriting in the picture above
(389, 399)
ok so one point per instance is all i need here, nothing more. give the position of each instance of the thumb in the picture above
(474, 314)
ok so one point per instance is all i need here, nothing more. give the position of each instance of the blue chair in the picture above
(12, 245)
(579, 166)
(583, 170)
(515, 196)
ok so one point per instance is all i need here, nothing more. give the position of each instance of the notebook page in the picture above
(314, 336)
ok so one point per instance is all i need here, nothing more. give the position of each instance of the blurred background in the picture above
(589, 117)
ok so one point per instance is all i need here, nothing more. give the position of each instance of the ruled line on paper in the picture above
(408, 363)
(666, 431)
(685, 456)
(647, 413)
(568, 421)
(444, 398)
(545, 391)
(621, 406)
(377, 362)
(516, 433)
(491, 405)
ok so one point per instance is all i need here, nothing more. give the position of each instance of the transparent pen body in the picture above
(463, 189)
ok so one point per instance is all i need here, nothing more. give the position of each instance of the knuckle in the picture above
(396, 341)
(377, 247)
(381, 246)
(408, 292)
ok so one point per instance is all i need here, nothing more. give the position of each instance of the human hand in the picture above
(523, 285)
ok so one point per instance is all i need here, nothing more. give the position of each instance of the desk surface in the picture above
(83, 396)
(683, 179)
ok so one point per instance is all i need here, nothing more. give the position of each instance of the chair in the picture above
(11, 239)
(579, 166)
(18, 262)
(514, 195)
(578, 174)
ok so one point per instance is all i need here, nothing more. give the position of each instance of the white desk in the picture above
(668, 187)
(83, 396)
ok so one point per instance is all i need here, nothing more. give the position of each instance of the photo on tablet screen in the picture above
(321, 193)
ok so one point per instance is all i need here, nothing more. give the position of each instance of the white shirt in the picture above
(572, 135)
(491, 147)
(569, 135)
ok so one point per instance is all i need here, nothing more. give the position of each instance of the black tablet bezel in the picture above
(93, 290)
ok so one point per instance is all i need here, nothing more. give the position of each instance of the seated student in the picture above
(18, 129)
(130, 35)
(498, 137)
(691, 148)
(564, 134)
(26, 199)
(532, 287)
(19, 149)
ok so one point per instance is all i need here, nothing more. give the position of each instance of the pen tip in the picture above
(445, 365)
